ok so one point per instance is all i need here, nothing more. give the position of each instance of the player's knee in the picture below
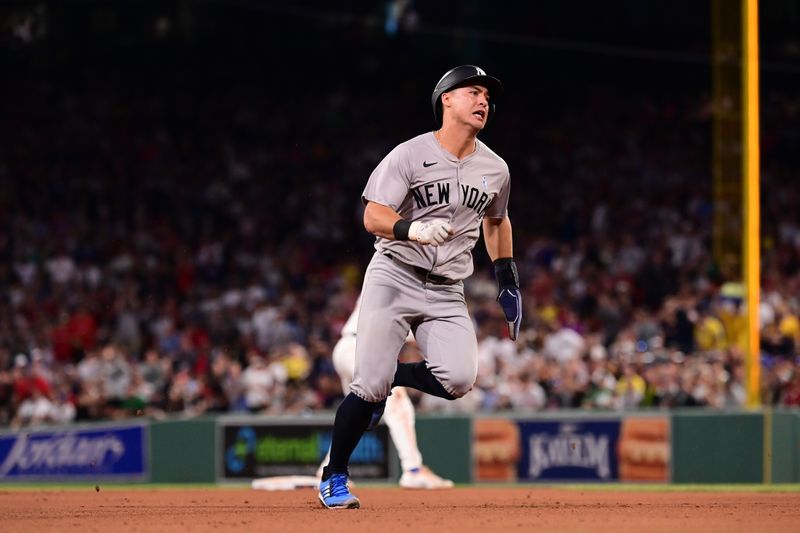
(460, 383)
(457, 390)
(371, 392)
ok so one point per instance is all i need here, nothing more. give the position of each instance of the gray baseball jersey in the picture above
(422, 181)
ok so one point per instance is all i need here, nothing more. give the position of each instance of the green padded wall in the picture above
(717, 448)
(446, 445)
(182, 451)
(785, 447)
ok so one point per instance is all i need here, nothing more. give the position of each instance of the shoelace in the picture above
(339, 485)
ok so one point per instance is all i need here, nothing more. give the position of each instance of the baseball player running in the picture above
(399, 415)
(425, 203)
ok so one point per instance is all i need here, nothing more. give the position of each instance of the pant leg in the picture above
(447, 339)
(390, 302)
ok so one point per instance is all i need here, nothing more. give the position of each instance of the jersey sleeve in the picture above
(499, 207)
(390, 181)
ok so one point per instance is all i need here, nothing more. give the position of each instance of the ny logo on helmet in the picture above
(479, 71)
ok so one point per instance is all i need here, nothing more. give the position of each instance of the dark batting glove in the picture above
(509, 296)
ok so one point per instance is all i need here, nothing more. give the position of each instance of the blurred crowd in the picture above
(175, 250)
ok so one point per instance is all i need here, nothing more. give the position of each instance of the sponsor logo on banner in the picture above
(581, 450)
(496, 449)
(644, 449)
(265, 450)
(99, 452)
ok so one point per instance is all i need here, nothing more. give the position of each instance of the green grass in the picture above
(680, 487)
(593, 487)
(90, 485)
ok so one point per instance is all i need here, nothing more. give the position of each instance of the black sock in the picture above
(418, 376)
(352, 419)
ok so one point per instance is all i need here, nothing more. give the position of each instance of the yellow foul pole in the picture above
(751, 199)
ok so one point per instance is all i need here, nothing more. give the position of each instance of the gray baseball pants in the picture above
(394, 299)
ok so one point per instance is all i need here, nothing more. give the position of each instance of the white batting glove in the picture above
(434, 232)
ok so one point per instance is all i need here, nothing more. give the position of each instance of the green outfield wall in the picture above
(717, 448)
(736, 447)
(783, 446)
(705, 446)
(183, 451)
(446, 445)
(680, 446)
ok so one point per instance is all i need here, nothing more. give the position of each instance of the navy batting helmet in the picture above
(459, 77)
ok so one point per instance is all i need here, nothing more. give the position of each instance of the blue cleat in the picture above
(377, 413)
(335, 494)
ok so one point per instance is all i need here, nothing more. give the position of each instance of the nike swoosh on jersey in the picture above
(426, 164)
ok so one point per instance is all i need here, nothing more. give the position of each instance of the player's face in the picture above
(468, 105)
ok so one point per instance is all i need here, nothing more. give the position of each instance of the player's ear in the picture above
(445, 100)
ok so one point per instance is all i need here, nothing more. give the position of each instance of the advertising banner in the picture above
(594, 448)
(109, 452)
(644, 449)
(496, 449)
(271, 448)
(569, 450)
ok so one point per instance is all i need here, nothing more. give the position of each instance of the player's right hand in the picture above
(433, 232)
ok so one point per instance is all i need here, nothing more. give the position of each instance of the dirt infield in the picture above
(390, 509)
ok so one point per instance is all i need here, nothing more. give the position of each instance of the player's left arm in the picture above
(497, 235)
